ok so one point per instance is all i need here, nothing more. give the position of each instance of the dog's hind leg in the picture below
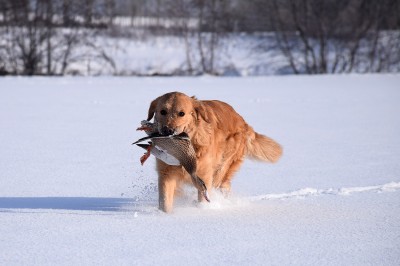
(225, 186)
(225, 189)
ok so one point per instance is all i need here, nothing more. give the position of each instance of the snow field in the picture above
(73, 191)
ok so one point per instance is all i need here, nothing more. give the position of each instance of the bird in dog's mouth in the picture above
(172, 149)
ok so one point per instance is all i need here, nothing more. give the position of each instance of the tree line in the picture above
(44, 37)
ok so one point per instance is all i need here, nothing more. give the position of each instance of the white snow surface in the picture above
(73, 192)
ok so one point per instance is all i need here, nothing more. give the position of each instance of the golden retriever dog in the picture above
(220, 137)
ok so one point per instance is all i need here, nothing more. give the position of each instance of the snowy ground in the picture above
(73, 192)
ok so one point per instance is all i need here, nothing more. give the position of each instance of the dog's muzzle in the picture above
(167, 131)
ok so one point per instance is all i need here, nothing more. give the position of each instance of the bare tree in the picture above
(333, 36)
(202, 25)
(88, 12)
(182, 9)
(213, 19)
(34, 42)
(110, 6)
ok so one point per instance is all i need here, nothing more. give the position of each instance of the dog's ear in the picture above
(201, 110)
(152, 109)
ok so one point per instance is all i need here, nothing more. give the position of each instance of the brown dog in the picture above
(220, 137)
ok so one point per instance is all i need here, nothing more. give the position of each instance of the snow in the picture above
(73, 190)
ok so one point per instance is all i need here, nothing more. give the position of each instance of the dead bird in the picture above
(173, 150)
(148, 127)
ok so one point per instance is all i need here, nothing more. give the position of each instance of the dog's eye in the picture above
(181, 113)
(163, 112)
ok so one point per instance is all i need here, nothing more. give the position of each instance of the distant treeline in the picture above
(232, 15)
(315, 36)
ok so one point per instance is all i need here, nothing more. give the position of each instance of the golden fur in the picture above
(220, 137)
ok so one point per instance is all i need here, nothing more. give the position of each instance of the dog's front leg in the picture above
(166, 190)
(168, 178)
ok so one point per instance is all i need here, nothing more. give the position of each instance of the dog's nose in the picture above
(167, 131)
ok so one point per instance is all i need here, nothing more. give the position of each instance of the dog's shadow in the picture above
(13, 204)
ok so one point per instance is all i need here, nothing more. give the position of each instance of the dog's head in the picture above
(176, 112)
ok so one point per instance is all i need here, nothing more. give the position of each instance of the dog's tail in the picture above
(263, 148)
